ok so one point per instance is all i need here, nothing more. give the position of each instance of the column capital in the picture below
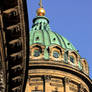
(47, 77)
(67, 80)
(81, 87)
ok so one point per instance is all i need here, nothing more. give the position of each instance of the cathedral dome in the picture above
(53, 46)
(42, 34)
(54, 63)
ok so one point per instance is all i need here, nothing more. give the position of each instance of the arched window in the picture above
(85, 66)
(56, 54)
(72, 59)
(36, 53)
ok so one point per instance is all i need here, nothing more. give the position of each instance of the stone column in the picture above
(47, 83)
(66, 84)
(81, 88)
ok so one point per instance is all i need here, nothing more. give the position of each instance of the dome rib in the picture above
(43, 37)
(63, 41)
(49, 42)
(58, 39)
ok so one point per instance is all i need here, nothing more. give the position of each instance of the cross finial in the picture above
(40, 11)
(40, 4)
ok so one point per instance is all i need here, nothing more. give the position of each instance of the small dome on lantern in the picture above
(41, 12)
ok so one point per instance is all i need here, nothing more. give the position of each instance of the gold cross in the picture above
(40, 4)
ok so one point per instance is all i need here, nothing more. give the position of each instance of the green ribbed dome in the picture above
(41, 33)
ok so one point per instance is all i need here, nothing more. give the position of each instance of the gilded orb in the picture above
(40, 12)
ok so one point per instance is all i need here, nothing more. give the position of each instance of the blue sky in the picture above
(70, 18)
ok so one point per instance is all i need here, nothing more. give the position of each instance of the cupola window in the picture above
(72, 59)
(37, 38)
(37, 52)
(54, 39)
(56, 54)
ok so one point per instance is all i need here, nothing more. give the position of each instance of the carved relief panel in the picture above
(53, 84)
(73, 87)
(44, 84)
(34, 84)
